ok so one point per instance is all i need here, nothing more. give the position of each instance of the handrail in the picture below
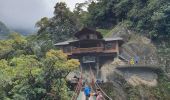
(98, 85)
(103, 91)
(93, 49)
(90, 48)
(78, 88)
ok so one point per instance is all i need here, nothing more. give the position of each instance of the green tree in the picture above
(60, 27)
(15, 45)
(42, 24)
(101, 14)
(28, 77)
(150, 17)
(57, 67)
(17, 75)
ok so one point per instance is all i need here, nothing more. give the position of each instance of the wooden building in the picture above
(91, 48)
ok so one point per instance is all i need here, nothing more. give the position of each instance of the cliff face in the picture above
(135, 45)
(134, 75)
(137, 84)
(120, 89)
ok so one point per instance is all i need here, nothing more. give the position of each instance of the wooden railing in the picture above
(86, 50)
(89, 50)
(110, 50)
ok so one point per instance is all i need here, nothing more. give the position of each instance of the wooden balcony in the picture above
(87, 50)
(90, 50)
(110, 51)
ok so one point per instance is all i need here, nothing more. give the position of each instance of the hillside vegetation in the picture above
(32, 69)
(24, 74)
(150, 17)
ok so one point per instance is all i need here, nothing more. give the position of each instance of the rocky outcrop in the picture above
(140, 76)
(134, 75)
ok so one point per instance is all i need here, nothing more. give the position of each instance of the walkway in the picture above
(83, 97)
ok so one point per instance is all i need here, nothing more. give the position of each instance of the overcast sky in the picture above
(23, 14)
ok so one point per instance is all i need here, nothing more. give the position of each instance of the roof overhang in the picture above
(113, 39)
(119, 39)
(65, 43)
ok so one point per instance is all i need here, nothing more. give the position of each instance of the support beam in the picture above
(81, 65)
(117, 48)
(97, 66)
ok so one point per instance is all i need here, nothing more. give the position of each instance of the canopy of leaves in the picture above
(60, 27)
(25, 76)
(147, 16)
(15, 45)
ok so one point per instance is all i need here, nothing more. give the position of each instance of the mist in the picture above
(23, 14)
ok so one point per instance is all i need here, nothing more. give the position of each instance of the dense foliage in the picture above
(151, 17)
(30, 68)
(25, 76)
(60, 27)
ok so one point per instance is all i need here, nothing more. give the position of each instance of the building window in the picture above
(108, 46)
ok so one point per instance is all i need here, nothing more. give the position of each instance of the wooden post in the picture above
(81, 66)
(117, 48)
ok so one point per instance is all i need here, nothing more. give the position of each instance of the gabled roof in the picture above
(87, 31)
(72, 41)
